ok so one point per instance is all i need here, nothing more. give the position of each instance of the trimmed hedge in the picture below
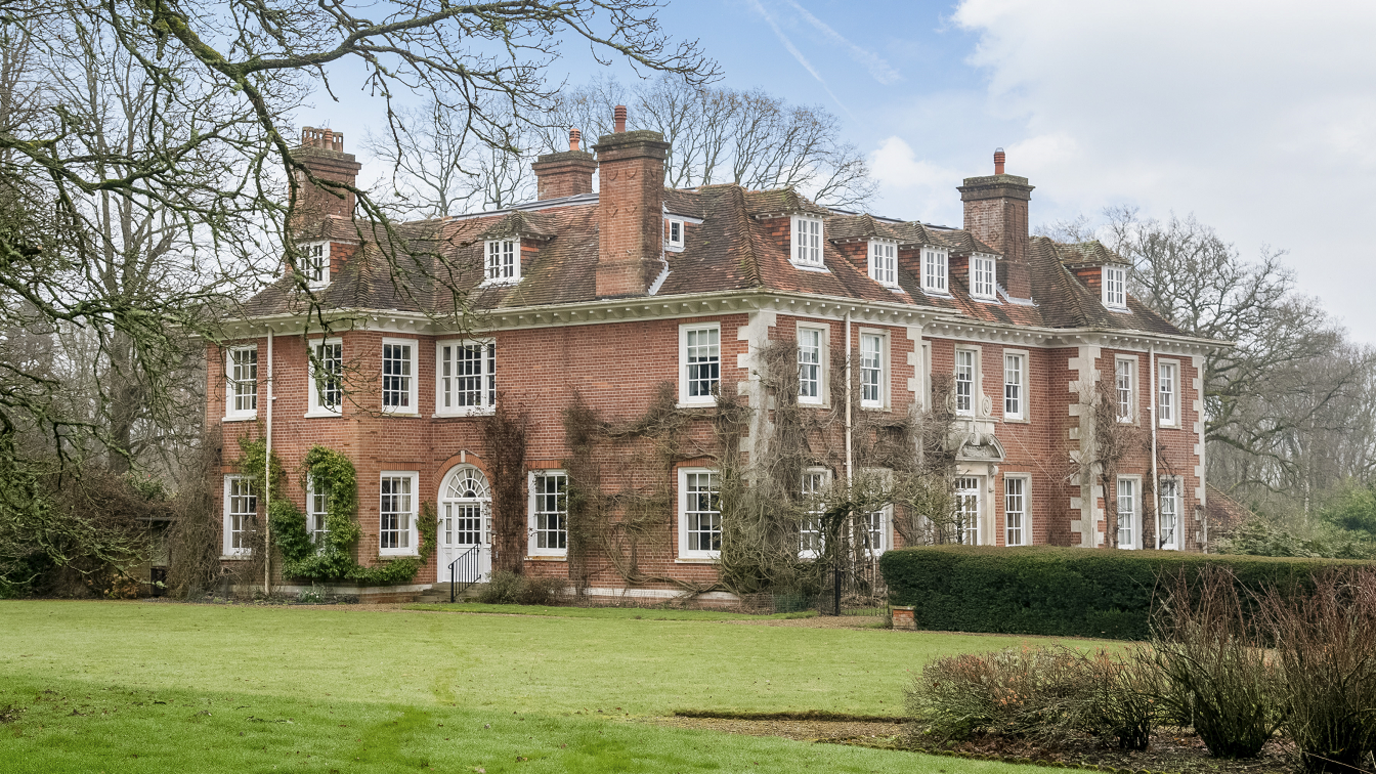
(1076, 592)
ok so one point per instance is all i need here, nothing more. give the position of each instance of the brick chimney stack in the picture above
(630, 210)
(996, 213)
(566, 173)
(322, 152)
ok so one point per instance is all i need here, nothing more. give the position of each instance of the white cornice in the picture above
(936, 323)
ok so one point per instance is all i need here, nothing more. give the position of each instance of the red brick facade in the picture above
(616, 344)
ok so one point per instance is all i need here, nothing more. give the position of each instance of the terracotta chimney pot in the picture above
(574, 137)
(620, 116)
(998, 161)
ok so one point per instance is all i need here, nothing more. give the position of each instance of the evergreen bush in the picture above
(1054, 591)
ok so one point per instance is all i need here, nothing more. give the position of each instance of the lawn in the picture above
(158, 687)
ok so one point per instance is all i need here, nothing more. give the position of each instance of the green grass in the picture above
(637, 613)
(198, 688)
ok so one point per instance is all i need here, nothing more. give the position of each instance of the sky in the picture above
(1259, 118)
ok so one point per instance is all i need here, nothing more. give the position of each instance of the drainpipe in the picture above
(267, 483)
(1155, 479)
(849, 459)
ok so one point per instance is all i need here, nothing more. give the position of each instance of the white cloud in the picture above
(1259, 118)
(916, 189)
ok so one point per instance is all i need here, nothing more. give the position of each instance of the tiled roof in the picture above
(1092, 252)
(732, 248)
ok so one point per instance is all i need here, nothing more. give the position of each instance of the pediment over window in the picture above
(976, 446)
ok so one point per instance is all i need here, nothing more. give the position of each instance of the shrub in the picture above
(508, 588)
(1221, 679)
(1326, 645)
(1044, 694)
(1059, 591)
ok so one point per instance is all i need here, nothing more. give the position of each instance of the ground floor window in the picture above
(1168, 530)
(1128, 509)
(241, 515)
(699, 507)
(875, 530)
(1015, 511)
(810, 536)
(397, 513)
(549, 513)
(317, 508)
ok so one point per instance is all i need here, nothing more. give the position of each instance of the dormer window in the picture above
(315, 263)
(982, 277)
(807, 241)
(934, 265)
(884, 263)
(675, 234)
(503, 261)
(1115, 282)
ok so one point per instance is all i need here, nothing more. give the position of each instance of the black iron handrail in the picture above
(470, 560)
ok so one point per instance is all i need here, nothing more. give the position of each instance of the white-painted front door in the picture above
(967, 510)
(465, 514)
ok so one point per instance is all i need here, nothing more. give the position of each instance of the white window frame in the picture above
(1168, 392)
(880, 398)
(501, 261)
(1130, 391)
(232, 411)
(883, 262)
(684, 382)
(1024, 528)
(821, 364)
(1134, 529)
(315, 407)
(410, 535)
(697, 554)
(1113, 282)
(447, 392)
(973, 397)
(317, 509)
(885, 516)
(244, 549)
(1170, 499)
(814, 485)
(936, 271)
(672, 240)
(412, 406)
(1015, 392)
(538, 507)
(983, 277)
(315, 263)
(806, 241)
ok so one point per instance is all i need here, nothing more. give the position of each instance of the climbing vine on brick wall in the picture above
(331, 559)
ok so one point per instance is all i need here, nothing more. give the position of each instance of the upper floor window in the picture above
(465, 374)
(699, 363)
(549, 513)
(327, 377)
(315, 263)
(884, 263)
(1014, 386)
(674, 233)
(806, 240)
(1124, 384)
(872, 370)
(965, 382)
(503, 260)
(398, 376)
(241, 398)
(934, 265)
(1167, 402)
(809, 365)
(1115, 284)
(982, 277)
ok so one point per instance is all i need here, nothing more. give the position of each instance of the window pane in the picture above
(241, 511)
(551, 511)
(1166, 400)
(1014, 509)
(1012, 386)
(1123, 385)
(396, 510)
(1170, 515)
(810, 537)
(965, 381)
(396, 375)
(243, 375)
(967, 511)
(1127, 513)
